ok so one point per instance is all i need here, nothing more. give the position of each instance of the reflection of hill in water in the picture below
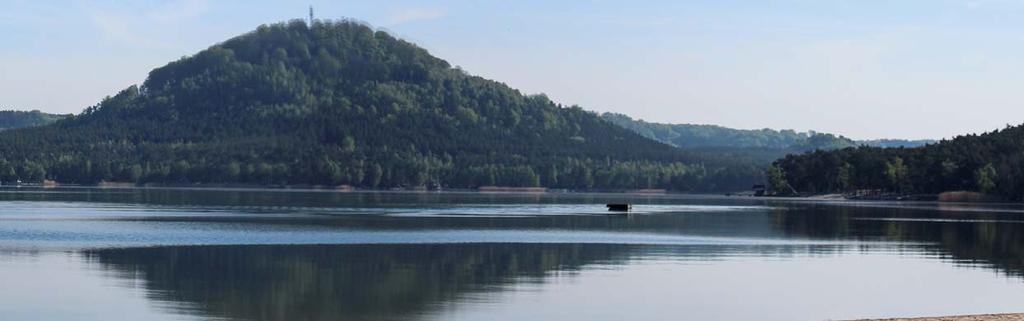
(351, 282)
(374, 282)
(393, 281)
(992, 239)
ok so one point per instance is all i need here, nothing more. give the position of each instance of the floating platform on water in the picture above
(619, 207)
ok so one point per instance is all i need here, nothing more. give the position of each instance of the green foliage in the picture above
(10, 119)
(989, 163)
(895, 143)
(896, 173)
(985, 178)
(341, 103)
(777, 183)
(786, 141)
(843, 176)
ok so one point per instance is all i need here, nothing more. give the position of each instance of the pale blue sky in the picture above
(866, 69)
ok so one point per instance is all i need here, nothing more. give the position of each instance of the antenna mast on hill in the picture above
(311, 15)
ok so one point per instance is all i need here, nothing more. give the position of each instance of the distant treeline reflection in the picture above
(988, 238)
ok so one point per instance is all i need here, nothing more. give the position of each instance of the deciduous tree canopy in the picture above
(989, 163)
(341, 103)
(10, 119)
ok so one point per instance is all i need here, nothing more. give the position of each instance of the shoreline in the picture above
(975, 317)
(972, 197)
(345, 189)
(944, 197)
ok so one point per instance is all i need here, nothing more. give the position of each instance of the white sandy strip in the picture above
(980, 317)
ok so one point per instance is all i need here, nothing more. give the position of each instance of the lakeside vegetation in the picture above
(991, 163)
(341, 103)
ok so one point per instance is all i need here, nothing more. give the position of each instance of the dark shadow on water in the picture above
(987, 239)
(341, 282)
(412, 282)
(373, 282)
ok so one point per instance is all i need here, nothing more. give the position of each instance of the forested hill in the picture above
(10, 119)
(340, 103)
(697, 136)
(892, 143)
(989, 163)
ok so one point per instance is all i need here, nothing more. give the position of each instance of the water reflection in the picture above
(382, 281)
(726, 258)
(975, 235)
(353, 282)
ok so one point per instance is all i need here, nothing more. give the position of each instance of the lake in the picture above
(192, 254)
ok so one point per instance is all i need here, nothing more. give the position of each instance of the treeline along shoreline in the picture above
(340, 103)
(988, 166)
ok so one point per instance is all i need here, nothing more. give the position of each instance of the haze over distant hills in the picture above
(10, 119)
(698, 136)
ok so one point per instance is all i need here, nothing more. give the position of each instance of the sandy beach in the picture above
(980, 317)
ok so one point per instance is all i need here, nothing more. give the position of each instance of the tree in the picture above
(33, 172)
(232, 171)
(7, 172)
(896, 174)
(342, 103)
(989, 163)
(348, 144)
(373, 176)
(843, 176)
(777, 183)
(985, 178)
(135, 173)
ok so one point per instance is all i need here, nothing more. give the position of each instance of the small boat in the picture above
(619, 207)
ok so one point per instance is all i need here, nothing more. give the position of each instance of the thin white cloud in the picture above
(414, 15)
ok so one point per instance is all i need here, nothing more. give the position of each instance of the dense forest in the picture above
(760, 147)
(10, 119)
(990, 163)
(788, 140)
(336, 103)
(894, 143)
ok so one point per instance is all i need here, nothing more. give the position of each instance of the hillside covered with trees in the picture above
(10, 119)
(341, 103)
(787, 140)
(991, 163)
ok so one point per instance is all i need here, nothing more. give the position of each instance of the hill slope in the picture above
(341, 103)
(10, 119)
(989, 163)
(697, 136)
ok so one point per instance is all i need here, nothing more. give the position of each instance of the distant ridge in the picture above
(10, 119)
(696, 136)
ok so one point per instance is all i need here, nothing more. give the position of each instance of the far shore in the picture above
(979, 317)
(952, 196)
(343, 188)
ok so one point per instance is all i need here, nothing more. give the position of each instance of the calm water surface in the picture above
(162, 254)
